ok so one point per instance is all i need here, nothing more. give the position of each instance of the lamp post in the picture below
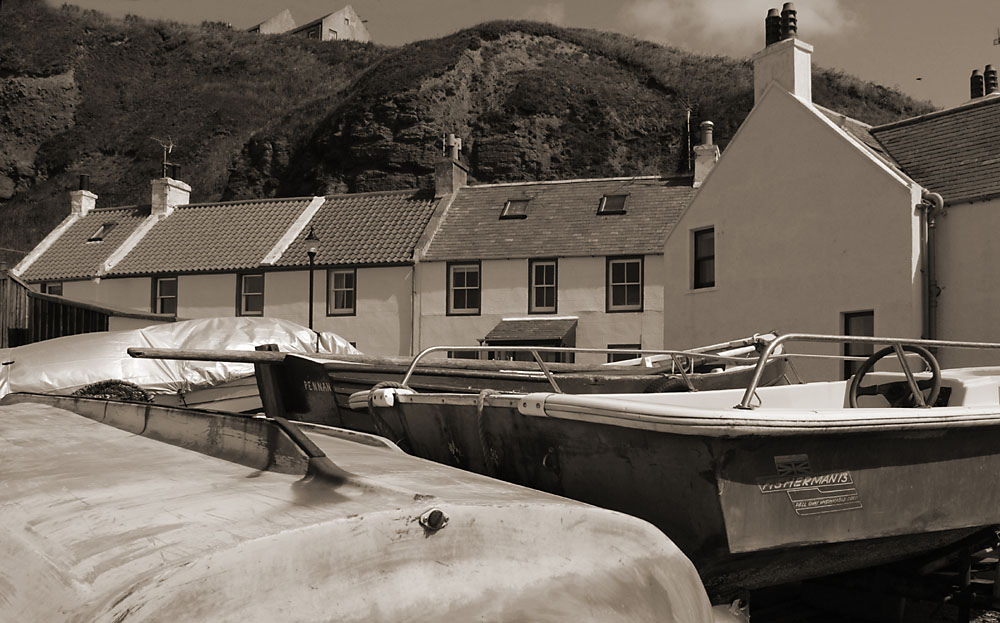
(311, 240)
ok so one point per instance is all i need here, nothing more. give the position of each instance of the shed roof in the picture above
(561, 219)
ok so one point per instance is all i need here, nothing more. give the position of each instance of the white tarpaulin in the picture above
(65, 364)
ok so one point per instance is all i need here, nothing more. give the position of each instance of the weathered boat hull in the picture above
(751, 508)
(234, 519)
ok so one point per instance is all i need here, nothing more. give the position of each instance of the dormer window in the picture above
(612, 204)
(515, 208)
(101, 232)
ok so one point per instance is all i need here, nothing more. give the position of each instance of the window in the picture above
(250, 295)
(52, 287)
(542, 287)
(101, 232)
(612, 204)
(515, 208)
(704, 258)
(341, 289)
(624, 284)
(347, 21)
(860, 323)
(613, 357)
(463, 289)
(165, 295)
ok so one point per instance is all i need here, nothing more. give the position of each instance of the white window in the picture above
(542, 289)
(251, 289)
(341, 292)
(165, 295)
(624, 284)
(463, 289)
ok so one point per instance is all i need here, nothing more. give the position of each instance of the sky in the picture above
(925, 48)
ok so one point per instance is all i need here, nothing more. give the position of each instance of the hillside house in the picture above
(815, 222)
(341, 25)
(282, 22)
(573, 262)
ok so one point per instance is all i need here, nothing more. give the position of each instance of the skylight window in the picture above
(515, 208)
(101, 232)
(612, 204)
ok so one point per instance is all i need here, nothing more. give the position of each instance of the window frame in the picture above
(155, 297)
(47, 286)
(242, 294)
(609, 307)
(532, 285)
(635, 355)
(856, 350)
(697, 262)
(102, 231)
(515, 209)
(602, 205)
(331, 273)
(450, 288)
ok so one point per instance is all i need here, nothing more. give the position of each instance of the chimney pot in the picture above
(990, 79)
(789, 21)
(84, 182)
(976, 84)
(450, 174)
(772, 27)
(706, 132)
(705, 155)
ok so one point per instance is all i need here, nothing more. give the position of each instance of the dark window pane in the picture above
(473, 299)
(459, 278)
(168, 287)
(168, 306)
(632, 272)
(253, 303)
(632, 295)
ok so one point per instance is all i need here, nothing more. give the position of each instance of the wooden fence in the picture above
(27, 316)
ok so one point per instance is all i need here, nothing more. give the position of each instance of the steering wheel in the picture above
(898, 393)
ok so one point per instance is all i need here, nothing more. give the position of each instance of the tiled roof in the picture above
(365, 228)
(954, 152)
(562, 219)
(213, 236)
(862, 133)
(72, 257)
(531, 329)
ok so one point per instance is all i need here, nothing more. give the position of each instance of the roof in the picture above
(952, 152)
(71, 256)
(861, 132)
(365, 228)
(230, 236)
(535, 330)
(561, 220)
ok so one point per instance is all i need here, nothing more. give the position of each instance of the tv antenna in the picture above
(168, 146)
(996, 40)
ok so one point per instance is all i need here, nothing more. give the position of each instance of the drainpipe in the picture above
(932, 205)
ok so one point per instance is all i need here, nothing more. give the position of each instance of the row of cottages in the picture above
(820, 223)
(342, 25)
(566, 263)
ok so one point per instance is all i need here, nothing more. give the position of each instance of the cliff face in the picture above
(254, 115)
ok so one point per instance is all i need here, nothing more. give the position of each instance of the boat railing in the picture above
(683, 361)
(776, 347)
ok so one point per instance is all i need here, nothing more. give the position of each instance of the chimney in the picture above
(787, 61)
(168, 193)
(82, 201)
(990, 79)
(450, 174)
(705, 155)
(976, 84)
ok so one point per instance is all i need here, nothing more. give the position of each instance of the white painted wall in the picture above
(206, 296)
(580, 292)
(123, 293)
(967, 261)
(807, 227)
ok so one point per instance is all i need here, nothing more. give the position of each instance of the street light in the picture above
(311, 240)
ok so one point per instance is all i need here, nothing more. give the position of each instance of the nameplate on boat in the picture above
(813, 494)
(316, 386)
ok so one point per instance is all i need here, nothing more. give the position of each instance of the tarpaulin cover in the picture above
(65, 364)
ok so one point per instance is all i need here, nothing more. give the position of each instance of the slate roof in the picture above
(365, 228)
(227, 236)
(72, 257)
(954, 152)
(562, 219)
(531, 329)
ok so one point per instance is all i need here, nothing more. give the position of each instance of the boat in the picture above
(114, 511)
(98, 364)
(759, 486)
(317, 388)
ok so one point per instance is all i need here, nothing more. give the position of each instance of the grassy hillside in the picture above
(254, 115)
